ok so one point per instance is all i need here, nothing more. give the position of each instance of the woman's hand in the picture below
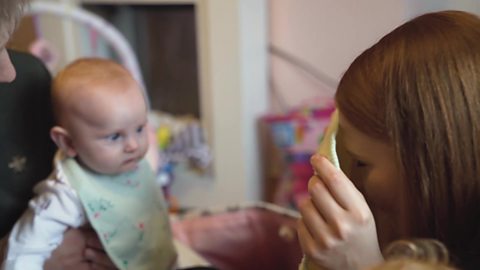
(337, 229)
(80, 250)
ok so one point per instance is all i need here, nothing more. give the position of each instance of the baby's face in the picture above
(108, 131)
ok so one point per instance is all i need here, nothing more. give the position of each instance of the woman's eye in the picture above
(360, 163)
(114, 137)
(140, 129)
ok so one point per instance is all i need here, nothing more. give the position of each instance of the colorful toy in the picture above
(296, 136)
(177, 140)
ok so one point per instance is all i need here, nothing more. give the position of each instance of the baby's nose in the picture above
(131, 145)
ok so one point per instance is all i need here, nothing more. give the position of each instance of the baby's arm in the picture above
(40, 229)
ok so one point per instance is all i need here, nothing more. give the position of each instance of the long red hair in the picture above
(418, 89)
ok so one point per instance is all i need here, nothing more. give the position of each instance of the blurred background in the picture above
(240, 90)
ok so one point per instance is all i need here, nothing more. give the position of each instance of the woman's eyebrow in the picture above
(354, 155)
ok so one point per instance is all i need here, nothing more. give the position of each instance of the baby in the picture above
(100, 174)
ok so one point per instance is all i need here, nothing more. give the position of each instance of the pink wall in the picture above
(328, 35)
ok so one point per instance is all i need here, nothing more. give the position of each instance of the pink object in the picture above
(296, 136)
(45, 52)
(251, 238)
(300, 130)
(301, 171)
(93, 40)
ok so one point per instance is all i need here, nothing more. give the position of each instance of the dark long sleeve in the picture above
(26, 150)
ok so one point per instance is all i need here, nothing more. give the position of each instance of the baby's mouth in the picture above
(131, 160)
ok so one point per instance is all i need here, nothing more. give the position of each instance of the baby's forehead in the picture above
(94, 97)
(103, 105)
(93, 86)
(92, 91)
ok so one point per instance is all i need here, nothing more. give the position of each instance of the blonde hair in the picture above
(418, 89)
(416, 254)
(82, 75)
(10, 13)
(410, 264)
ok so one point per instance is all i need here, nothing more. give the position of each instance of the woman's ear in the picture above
(62, 139)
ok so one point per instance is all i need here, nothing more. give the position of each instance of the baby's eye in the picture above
(114, 137)
(140, 129)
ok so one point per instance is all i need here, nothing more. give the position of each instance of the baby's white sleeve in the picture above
(40, 229)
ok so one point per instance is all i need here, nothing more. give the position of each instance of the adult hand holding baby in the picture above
(80, 250)
(337, 229)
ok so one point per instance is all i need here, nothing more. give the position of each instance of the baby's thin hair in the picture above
(92, 70)
(85, 73)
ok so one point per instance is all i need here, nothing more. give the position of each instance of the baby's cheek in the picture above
(145, 146)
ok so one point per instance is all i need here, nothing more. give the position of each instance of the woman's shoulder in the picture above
(29, 69)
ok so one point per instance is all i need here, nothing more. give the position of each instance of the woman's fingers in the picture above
(307, 243)
(304, 237)
(316, 226)
(339, 186)
(323, 201)
(337, 229)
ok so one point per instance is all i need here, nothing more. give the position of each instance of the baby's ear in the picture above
(62, 139)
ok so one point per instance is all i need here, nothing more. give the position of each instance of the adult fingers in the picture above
(92, 240)
(66, 262)
(95, 252)
(316, 226)
(99, 259)
(69, 254)
(309, 247)
(324, 202)
(100, 267)
(307, 243)
(340, 187)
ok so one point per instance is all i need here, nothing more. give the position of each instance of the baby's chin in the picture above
(125, 168)
(129, 168)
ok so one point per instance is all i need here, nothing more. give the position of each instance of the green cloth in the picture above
(128, 213)
(329, 143)
(25, 145)
(328, 149)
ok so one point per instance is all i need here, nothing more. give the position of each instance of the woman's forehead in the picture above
(359, 143)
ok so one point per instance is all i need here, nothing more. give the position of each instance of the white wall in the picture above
(233, 42)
